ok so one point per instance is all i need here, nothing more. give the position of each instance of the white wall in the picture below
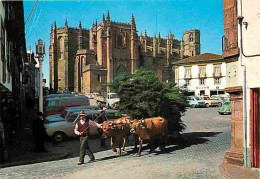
(251, 46)
(209, 81)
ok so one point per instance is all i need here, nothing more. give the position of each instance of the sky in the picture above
(164, 16)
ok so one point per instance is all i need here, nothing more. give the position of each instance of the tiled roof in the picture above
(205, 57)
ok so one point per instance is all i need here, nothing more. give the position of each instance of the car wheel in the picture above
(207, 105)
(219, 104)
(193, 105)
(59, 137)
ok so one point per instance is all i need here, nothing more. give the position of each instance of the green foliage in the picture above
(142, 95)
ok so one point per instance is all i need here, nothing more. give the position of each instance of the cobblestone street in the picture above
(207, 136)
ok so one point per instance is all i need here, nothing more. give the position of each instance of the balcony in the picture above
(203, 75)
(217, 75)
(187, 76)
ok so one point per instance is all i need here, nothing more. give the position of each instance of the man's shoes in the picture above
(80, 162)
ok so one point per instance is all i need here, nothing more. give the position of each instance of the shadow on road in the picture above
(189, 139)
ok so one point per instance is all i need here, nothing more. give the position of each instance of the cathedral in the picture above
(85, 60)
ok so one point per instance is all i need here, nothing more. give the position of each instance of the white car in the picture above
(58, 131)
(112, 98)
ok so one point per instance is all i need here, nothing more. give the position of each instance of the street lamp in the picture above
(40, 51)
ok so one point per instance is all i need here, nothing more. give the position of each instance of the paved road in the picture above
(207, 136)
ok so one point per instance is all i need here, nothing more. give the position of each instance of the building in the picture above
(13, 79)
(85, 60)
(203, 74)
(242, 54)
(30, 76)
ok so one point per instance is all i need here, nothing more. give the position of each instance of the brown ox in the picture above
(150, 129)
(118, 130)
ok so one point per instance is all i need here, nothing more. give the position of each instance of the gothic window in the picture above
(119, 41)
(120, 69)
(60, 47)
(99, 77)
(191, 38)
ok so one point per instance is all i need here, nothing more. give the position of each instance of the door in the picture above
(254, 95)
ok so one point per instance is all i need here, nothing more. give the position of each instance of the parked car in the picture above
(220, 99)
(55, 105)
(58, 131)
(210, 101)
(112, 98)
(225, 108)
(67, 112)
(195, 101)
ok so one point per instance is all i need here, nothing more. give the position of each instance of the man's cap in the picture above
(82, 113)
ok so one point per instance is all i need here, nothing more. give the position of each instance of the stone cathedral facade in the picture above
(85, 60)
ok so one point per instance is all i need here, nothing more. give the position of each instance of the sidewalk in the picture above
(22, 147)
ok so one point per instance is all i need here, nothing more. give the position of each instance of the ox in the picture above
(119, 131)
(150, 129)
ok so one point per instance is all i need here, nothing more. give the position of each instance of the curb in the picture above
(62, 156)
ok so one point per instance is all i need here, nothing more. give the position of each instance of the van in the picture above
(54, 105)
(195, 101)
(112, 98)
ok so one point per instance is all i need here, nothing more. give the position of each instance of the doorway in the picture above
(202, 92)
(254, 102)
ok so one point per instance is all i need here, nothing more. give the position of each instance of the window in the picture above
(99, 77)
(2, 37)
(202, 71)
(60, 47)
(119, 41)
(188, 72)
(217, 70)
(191, 38)
(217, 81)
(202, 81)
(187, 82)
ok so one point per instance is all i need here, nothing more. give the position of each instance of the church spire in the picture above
(79, 24)
(66, 22)
(133, 22)
(145, 33)
(103, 17)
(80, 37)
(54, 25)
(108, 16)
(66, 25)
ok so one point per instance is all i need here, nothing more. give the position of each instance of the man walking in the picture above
(39, 133)
(82, 129)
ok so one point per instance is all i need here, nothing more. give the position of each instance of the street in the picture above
(207, 138)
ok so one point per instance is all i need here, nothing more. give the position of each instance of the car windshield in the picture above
(63, 114)
(197, 98)
(227, 103)
(72, 117)
(52, 103)
(113, 96)
(68, 115)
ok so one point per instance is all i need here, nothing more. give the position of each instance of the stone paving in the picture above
(207, 138)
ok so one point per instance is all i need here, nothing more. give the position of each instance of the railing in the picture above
(217, 74)
(203, 75)
(187, 76)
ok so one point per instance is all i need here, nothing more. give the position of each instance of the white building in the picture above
(203, 74)
(241, 52)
